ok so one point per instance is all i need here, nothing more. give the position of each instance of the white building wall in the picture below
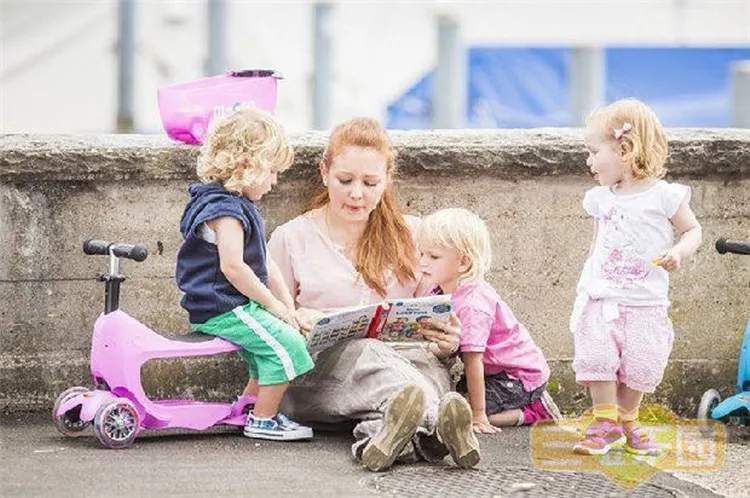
(58, 58)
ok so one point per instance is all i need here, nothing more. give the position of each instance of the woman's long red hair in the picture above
(387, 242)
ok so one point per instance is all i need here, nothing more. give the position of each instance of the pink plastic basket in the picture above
(187, 109)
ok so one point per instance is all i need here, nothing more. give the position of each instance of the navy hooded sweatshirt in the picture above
(207, 291)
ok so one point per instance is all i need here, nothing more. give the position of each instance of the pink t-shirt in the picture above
(489, 326)
(318, 274)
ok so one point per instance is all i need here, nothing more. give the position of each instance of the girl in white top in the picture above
(623, 336)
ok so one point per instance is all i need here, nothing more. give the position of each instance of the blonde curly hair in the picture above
(637, 134)
(464, 231)
(241, 149)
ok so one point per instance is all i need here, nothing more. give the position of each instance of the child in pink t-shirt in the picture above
(505, 372)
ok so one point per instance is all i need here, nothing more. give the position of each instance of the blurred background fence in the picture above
(95, 65)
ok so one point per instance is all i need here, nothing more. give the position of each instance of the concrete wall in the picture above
(56, 191)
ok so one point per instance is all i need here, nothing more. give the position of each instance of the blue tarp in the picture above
(528, 87)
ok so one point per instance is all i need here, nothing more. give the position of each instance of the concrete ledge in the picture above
(509, 154)
(56, 191)
(219, 378)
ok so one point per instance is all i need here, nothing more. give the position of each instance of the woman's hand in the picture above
(447, 336)
(307, 317)
(481, 425)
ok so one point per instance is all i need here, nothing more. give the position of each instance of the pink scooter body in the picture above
(118, 407)
(187, 109)
(120, 347)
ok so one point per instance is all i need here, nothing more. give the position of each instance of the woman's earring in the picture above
(325, 182)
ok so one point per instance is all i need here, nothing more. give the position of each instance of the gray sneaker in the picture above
(455, 430)
(400, 422)
(551, 407)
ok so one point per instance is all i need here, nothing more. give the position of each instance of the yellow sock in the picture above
(606, 410)
(628, 416)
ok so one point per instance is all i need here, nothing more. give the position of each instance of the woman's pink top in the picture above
(318, 274)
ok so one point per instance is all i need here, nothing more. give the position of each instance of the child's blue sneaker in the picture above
(278, 428)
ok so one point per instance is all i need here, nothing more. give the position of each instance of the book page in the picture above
(340, 326)
(406, 317)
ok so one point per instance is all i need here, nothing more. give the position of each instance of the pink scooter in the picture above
(118, 407)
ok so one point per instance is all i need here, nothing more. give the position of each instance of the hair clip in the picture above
(619, 132)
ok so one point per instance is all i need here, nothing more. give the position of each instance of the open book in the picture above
(401, 321)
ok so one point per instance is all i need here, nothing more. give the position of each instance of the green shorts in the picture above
(274, 351)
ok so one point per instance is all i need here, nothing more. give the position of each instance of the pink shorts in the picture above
(632, 349)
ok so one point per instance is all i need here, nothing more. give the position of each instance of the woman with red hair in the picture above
(354, 246)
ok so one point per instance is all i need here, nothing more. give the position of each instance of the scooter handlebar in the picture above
(129, 251)
(736, 246)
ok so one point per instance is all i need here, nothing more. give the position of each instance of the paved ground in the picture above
(734, 478)
(37, 461)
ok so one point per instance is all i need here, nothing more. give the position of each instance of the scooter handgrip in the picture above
(736, 246)
(130, 251)
(94, 246)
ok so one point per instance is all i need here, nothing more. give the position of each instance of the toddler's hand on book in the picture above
(280, 311)
(295, 323)
(481, 425)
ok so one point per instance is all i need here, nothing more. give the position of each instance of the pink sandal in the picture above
(640, 443)
(601, 436)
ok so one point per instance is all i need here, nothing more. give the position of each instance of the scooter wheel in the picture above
(116, 424)
(69, 423)
(709, 401)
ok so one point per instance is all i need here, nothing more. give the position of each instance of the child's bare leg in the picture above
(638, 440)
(604, 397)
(251, 389)
(629, 400)
(506, 418)
(269, 399)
